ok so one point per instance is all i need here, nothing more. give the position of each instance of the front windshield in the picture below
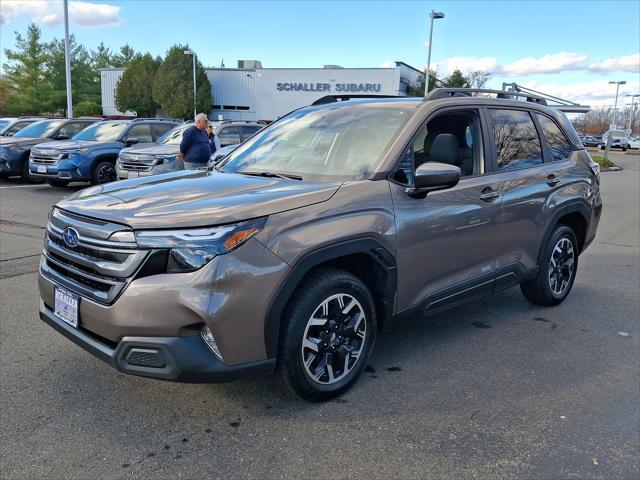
(102, 132)
(173, 136)
(335, 143)
(42, 129)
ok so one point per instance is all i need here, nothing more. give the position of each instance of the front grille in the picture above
(44, 157)
(97, 267)
(137, 163)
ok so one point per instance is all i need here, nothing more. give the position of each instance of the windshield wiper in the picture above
(268, 173)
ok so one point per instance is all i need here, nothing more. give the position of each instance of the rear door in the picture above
(528, 181)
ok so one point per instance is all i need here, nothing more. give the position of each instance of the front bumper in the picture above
(73, 168)
(181, 359)
(10, 162)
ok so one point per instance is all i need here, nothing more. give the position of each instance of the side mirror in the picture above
(432, 176)
(131, 141)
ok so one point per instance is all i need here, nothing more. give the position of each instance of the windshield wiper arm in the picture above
(267, 173)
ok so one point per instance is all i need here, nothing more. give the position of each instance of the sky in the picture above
(571, 49)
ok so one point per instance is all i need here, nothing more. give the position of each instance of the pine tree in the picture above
(134, 89)
(173, 85)
(29, 89)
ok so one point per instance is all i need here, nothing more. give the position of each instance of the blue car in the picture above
(15, 149)
(90, 156)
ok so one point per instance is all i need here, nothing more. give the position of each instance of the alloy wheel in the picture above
(106, 173)
(334, 338)
(561, 266)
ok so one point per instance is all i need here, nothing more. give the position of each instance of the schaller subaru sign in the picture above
(326, 87)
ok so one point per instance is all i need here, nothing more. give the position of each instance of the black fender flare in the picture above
(576, 206)
(368, 245)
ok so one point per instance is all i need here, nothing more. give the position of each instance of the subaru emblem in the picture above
(70, 236)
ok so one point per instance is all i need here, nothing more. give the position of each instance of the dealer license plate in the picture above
(42, 169)
(66, 306)
(133, 175)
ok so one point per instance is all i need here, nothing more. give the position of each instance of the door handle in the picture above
(552, 180)
(488, 194)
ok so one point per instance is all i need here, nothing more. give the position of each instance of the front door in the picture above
(448, 240)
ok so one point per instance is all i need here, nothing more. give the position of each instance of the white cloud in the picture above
(388, 64)
(595, 93)
(556, 63)
(628, 63)
(466, 65)
(82, 14)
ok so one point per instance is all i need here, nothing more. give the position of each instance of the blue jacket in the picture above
(195, 145)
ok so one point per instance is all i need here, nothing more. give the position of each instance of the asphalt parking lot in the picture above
(498, 388)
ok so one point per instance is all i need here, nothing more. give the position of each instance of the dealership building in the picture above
(251, 92)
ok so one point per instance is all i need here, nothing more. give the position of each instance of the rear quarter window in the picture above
(559, 146)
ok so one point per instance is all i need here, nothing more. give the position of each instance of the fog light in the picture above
(207, 336)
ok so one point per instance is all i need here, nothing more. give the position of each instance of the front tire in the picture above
(557, 269)
(327, 336)
(104, 172)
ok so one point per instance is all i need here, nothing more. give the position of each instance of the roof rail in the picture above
(557, 103)
(31, 116)
(343, 98)
(440, 93)
(138, 119)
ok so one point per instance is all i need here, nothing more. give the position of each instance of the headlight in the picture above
(68, 153)
(191, 249)
(167, 158)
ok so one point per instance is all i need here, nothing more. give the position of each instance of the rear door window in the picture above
(160, 129)
(229, 136)
(141, 132)
(558, 144)
(249, 130)
(516, 139)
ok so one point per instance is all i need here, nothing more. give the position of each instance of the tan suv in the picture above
(317, 232)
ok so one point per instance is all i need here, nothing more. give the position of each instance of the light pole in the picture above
(633, 106)
(434, 16)
(193, 54)
(67, 60)
(615, 111)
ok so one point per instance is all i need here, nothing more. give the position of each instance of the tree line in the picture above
(35, 84)
(597, 120)
(457, 79)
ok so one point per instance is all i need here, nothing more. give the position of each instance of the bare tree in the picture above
(478, 79)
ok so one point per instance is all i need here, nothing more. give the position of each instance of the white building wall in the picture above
(269, 93)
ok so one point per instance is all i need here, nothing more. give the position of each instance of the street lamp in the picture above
(191, 52)
(615, 111)
(633, 106)
(434, 16)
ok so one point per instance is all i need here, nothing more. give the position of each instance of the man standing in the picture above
(194, 148)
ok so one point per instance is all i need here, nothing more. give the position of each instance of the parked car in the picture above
(634, 143)
(619, 139)
(145, 160)
(330, 224)
(591, 141)
(15, 150)
(9, 126)
(90, 156)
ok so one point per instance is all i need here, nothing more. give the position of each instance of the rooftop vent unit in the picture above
(249, 64)
(332, 66)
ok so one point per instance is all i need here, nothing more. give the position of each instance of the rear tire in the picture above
(557, 269)
(104, 172)
(327, 335)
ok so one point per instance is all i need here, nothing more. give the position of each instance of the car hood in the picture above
(22, 142)
(152, 149)
(67, 144)
(193, 199)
